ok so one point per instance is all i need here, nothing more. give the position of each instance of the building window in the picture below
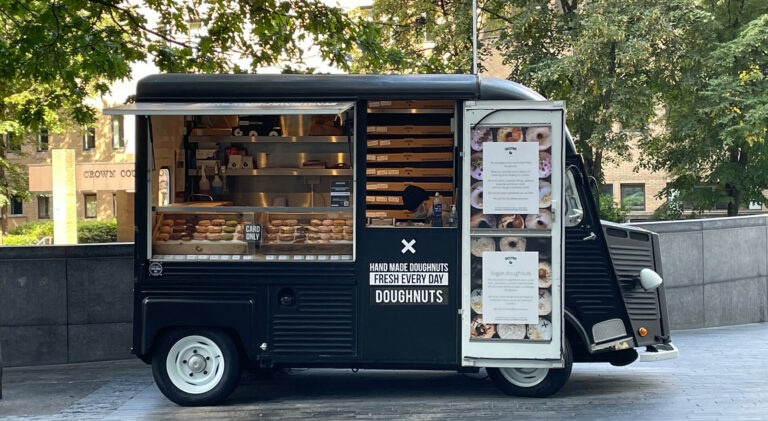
(17, 206)
(12, 142)
(118, 132)
(44, 207)
(42, 140)
(606, 189)
(633, 196)
(89, 138)
(90, 205)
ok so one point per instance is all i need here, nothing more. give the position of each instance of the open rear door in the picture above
(512, 256)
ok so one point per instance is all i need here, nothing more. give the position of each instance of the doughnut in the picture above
(480, 136)
(348, 237)
(543, 135)
(231, 223)
(325, 228)
(228, 230)
(480, 244)
(509, 134)
(313, 236)
(213, 236)
(185, 237)
(165, 229)
(179, 228)
(272, 237)
(545, 274)
(511, 222)
(327, 222)
(204, 222)
(291, 222)
(476, 300)
(239, 229)
(476, 197)
(167, 222)
(512, 243)
(218, 222)
(545, 194)
(478, 329)
(175, 236)
(300, 237)
(271, 229)
(285, 237)
(314, 229)
(480, 220)
(545, 165)
(349, 222)
(348, 230)
(198, 236)
(315, 222)
(337, 229)
(476, 166)
(214, 229)
(163, 237)
(302, 229)
(299, 241)
(323, 242)
(179, 221)
(325, 236)
(287, 230)
(337, 236)
(239, 237)
(545, 302)
(339, 222)
(227, 236)
(541, 221)
(509, 331)
(277, 222)
(202, 229)
(541, 331)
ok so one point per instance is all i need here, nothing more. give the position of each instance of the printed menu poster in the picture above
(510, 287)
(510, 177)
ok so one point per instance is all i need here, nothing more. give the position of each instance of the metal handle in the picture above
(590, 237)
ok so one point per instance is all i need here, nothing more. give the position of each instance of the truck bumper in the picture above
(659, 352)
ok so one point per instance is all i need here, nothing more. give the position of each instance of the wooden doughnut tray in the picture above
(200, 247)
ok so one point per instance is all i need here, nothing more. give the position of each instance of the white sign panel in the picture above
(511, 177)
(510, 287)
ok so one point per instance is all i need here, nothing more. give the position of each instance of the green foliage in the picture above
(96, 231)
(20, 240)
(612, 211)
(668, 211)
(39, 229)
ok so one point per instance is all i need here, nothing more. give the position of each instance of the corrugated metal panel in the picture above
(323, 323)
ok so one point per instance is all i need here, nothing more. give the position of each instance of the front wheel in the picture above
(195, 367)
(533, 382)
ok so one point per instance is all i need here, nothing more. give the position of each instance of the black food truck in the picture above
(439, 222)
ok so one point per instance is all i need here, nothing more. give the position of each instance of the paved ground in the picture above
(722, 373)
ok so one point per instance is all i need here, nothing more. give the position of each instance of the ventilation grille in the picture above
(323, 323)
(630, 256)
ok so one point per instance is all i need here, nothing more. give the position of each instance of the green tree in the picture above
(715, 148)
(55, 55)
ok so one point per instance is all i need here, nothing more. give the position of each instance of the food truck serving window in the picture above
(251, 181)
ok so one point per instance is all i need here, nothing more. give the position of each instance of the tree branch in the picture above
(135, 21)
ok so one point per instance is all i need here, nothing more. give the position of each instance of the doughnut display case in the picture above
(203, 233)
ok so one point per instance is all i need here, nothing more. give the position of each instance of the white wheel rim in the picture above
(524, 377)
(195, 364)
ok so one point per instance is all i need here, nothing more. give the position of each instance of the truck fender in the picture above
(576, 326)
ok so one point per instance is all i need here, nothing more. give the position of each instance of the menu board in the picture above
(511, 178)
(510, 287)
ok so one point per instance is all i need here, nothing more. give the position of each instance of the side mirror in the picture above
(649, 279)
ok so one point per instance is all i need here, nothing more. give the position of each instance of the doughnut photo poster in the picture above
(511, 168)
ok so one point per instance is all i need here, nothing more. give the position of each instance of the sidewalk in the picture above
(722, 373)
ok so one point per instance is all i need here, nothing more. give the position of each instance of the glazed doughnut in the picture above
(545, 302)
(545, 274)
(272, 237)
(291, 222)
(476, 300)
(349, 222)
(302, 229)
(314, 229)
(511, 222)
(163, 237)
(218, 222)
(231, 223)
(175, 236)
(228, 230)
(227, 236)
(325, 228)
(325, 236)
(541, 221)
(179, 228)
(480, 136)
(165, 229)
(313, 236)
(204, 222)
(214, 229)
(348, 230)
(476, 197)
(179, 221)
(277, 222)
(315, 222)
(337, 229)
(239, 237)
(337, 236)
(545, 194)
(480, 220)
(480, 244)
(476, 166)
(213, 236)
(198, 236)
(201, 229)
(512, 243)
(478, 329)
(300, 237)
(545, 165)
(285, 237)
(271, 229)
(348, 237)
(185, 237)
(168, 222)
(339, 222)
(541, 331)
(543, 135)
(287, 230)
(327, 222)
(509, 134)
(509, 331)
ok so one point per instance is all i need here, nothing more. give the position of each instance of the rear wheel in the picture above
(533, 382)
(196, 366)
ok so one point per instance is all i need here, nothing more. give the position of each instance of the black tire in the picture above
(554, 380)
(220, 385)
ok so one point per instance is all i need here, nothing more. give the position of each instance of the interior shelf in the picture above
(269, 139)
(285, 172)
(249, 209)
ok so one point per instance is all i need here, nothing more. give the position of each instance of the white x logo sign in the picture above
(408, 246)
